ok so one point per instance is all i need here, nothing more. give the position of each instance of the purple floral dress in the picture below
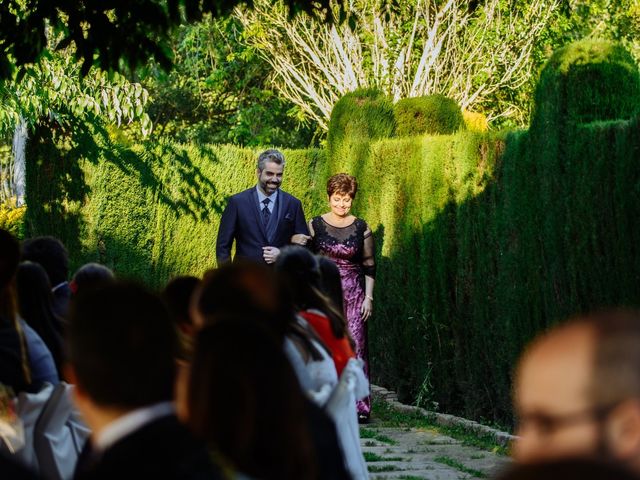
(352, 249)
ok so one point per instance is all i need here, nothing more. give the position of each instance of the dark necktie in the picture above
(266, 214)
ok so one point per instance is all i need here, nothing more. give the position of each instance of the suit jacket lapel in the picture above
(258, 213)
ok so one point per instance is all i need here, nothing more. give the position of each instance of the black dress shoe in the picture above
(363, 418)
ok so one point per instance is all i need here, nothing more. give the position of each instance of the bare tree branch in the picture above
(470, 57)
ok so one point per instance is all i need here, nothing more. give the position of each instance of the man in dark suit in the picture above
(263, 218)
(121, 349)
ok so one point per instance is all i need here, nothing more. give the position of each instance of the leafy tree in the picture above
(54, 92)
(110, 34)
(219, 91)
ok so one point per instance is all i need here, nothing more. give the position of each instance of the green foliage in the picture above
(97, 29)
(433, 115)
(11, 219)
(55, 89)
(219, 92)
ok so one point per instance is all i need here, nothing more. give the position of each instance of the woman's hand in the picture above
(366, 309)
(300, 239)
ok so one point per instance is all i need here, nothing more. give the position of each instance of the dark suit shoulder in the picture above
(163, 448)
(243, 194)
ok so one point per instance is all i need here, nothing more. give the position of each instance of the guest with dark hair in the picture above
(177, 297)
(35, 304)
(121, 348)
(14, 363)
(302, 273)
(259, 427)
(254, 291)
(90, 275)
(330, 281)
(53, 256)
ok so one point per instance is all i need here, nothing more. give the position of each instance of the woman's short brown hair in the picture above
(342, 183)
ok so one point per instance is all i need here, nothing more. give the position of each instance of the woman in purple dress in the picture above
(348, 241)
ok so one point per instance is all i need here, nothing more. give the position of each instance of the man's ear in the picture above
(623, 431)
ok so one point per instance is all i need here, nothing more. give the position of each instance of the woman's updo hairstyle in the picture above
(343, 184)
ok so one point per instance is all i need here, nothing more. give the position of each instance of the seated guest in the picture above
(254, 291)
(577, 392)
(310, 358)
(52, 255)
(177, 297)
(35, 304)
(121, 353)
(14, 362)
(258, 428)
(302, 271)
(90, 275)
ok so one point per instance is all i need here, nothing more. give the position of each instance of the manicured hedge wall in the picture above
(483, 239)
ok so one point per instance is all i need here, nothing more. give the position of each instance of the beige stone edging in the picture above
(501, 438)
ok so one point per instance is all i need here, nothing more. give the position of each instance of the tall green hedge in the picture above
(483, 239)
(432, 114)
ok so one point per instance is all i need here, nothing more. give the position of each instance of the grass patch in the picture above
(370, 443)
(375, 435)
(374, 457)
(459, 466)
(382, 468)
(386, 416)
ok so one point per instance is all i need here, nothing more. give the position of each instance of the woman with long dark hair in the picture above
(14, 364)
(245, 402)
(302, 273)
(35, 304)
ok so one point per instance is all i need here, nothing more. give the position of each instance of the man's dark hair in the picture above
(91, 275)
(51, 254)
(122, 346)
(177, 297)
(271, 155)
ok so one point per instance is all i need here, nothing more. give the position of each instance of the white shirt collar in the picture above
(131, 422)
(58, 286)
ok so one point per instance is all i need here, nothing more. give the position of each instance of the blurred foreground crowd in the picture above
(250, 373)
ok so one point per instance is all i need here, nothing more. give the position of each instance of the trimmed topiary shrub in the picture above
(356, 119)
(433, 115)
(587, 81)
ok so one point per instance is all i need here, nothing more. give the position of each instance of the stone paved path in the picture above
(412, 454)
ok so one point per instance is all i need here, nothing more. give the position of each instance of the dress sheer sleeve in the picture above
(368, 254)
